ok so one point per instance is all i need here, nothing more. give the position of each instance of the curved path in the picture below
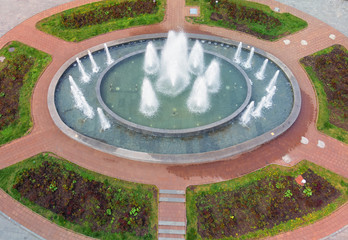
(45, 136)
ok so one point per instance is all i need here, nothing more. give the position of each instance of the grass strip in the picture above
(22, 121)
(56, 24)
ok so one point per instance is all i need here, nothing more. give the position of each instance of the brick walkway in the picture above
(46, 137)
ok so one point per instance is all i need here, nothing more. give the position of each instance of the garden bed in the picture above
(328, 70)
(93, 19)
(248, 17)
(86, 202)
(263, 203)
(19, 72)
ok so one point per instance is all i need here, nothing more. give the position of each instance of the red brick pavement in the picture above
(46, 137)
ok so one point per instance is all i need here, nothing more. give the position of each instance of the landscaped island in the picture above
(249, 17)
(328, 70)
(19, 72)
(263, 203)
(93, 19)
(86, 202)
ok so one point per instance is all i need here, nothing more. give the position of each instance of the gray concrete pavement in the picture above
(332, 12)
(13, 12)
(11, 230)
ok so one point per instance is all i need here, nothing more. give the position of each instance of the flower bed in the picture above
(249, 17)
(259, 204)
(328, 70)
(97, 18)
(18, 74)
(108, 209)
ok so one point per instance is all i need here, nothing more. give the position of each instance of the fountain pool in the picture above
(147, 111)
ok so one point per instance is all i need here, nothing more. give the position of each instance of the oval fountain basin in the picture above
(95, 110)
(119, 93)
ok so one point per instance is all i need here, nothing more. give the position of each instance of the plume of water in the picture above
(151, 61)
(80, 100)
(104, 122)
(236, 57)
(109, 59)
(149, 103)
(196, 59)
(174, 76)
(261, 73)
(247, 64)
(246, 116)
(273, 81)
(257, 112)
(269, 97)
(212, 76)
(198, 101)
(95, 67)
(84, 76)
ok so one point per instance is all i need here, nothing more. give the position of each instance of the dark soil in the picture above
(101, 14)
(11, 80)
(99, 206)
(261, 205)
(332, 70)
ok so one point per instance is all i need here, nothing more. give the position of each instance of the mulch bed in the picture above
(12, 74)
(262, 204)
(98, 205)
(332, 71)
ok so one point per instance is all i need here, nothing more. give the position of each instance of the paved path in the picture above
(46, 137)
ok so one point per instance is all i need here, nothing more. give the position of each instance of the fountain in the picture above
(212, 77)
(198, 101)
(174, 76)
(95, 67)
(84, 76)
(269, 97)
(273, 81)
(109, 59)
(196, 59)
(171, 104)
(149, 103)
(151, 61)
(257, 112)
(236, 58)
(261, 73)
(246, 116)
(80, 100)
(247, 64)
(104, 122)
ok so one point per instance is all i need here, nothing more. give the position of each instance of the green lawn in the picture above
(23, 122)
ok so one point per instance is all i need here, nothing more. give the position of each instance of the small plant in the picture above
(53, 187)
(288, 193)
(134, 211)
(308, 191)
(108, 211)
(2, 94)
(279, 185)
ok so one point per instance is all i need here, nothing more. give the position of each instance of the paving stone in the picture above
(179, 192)
(286, 41)
(304, 140)
(171, 223)
(304, 43)
(286, 159)
(321, 144)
